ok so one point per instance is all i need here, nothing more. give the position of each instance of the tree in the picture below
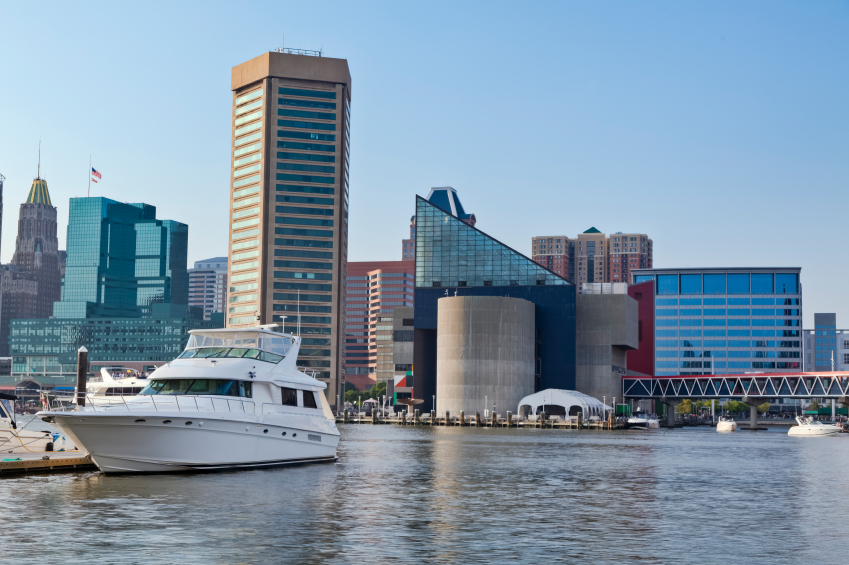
(814, 405)
(353, 396)
(377, 390)
(763, 408)
(686, 407)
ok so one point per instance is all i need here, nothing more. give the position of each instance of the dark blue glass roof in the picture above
(446, 199)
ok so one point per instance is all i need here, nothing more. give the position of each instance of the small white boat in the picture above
(643, 421)
(235, 398)
(726, 425)
(808, 427)
(13, 440)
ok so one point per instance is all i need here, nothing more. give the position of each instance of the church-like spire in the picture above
(38, 193)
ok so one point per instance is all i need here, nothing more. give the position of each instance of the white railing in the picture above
(170, 403)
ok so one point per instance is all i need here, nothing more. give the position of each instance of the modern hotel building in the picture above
(289, 202)
(722, 321)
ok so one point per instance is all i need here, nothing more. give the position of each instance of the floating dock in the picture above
(43, 462)
(413, 420)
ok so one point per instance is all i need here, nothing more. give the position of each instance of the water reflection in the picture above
(451, 495)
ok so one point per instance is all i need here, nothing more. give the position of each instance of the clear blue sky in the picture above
(721, 129)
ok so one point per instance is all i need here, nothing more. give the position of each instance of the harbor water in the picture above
(459, 495)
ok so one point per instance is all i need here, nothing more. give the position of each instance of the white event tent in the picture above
(562, 403)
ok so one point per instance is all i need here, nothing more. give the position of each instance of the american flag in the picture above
(94, 173)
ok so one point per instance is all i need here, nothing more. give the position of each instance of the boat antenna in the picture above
(299, 314)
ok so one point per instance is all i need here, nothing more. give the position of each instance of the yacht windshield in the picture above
(214, 387)
(231, 352)
(279, 345)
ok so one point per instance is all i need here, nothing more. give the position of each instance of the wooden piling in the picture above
(82, 370)
(509, 419)
(477, 418)
(462, 417)
(447, 418)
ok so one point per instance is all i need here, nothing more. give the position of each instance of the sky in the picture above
(719, 128)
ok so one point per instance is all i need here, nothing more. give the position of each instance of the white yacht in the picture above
(643, 421)
(726, 424)
(232, 399)
(116, 381)
(111, 386)
(808, 427)
(14, 440)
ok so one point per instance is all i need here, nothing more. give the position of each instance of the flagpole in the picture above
(89, 175)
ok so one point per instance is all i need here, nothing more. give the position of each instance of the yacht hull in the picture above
(163, 443)
(819, 431)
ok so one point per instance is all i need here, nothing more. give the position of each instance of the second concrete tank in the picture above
(484, 349)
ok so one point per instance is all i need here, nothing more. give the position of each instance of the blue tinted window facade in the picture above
(121, 260)
(691, 284)
(786, 284)
(667, 284)
(729, 308)
(714, 284)
(738, 283)
(762, 283)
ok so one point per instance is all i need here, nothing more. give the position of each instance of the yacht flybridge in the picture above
(235, 398)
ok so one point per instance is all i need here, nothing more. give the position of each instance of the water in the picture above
(459, 495)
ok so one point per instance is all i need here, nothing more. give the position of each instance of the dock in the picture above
(43, 462)
(462, 421)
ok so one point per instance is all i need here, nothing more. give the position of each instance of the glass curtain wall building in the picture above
(289, 201)
(456, 259)
(121, 260)
(725, 321)
(124, 293)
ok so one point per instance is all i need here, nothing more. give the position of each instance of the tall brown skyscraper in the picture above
(289, 202)
(32, 282)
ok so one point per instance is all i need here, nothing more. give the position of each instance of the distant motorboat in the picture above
(808, 427)
(726, 425)
(643, 421)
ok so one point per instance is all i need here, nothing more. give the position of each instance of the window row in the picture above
(731, 283)
(730, 312)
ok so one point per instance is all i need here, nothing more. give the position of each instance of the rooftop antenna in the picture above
(38, 176)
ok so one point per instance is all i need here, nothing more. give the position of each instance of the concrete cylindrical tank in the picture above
(484, 350)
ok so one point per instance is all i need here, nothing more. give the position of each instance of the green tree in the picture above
(763, 408)
(377, 390)
(814, 405)
(686, 407)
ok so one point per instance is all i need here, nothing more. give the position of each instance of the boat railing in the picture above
(170, 403)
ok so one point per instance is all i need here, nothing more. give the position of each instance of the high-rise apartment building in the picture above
(208, 285)
(32, 282)
(375, 289)
(826, 346)
(289, 201)
(593, 257)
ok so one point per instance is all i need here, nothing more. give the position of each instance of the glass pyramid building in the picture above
(450, 253)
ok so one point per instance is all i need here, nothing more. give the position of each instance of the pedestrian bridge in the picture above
(770, 385)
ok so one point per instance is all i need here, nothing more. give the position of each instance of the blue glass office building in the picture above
(454, 258)
(124, 293)
(726, 321)
(121, 259)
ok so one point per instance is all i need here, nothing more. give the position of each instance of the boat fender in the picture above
(49, 446)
